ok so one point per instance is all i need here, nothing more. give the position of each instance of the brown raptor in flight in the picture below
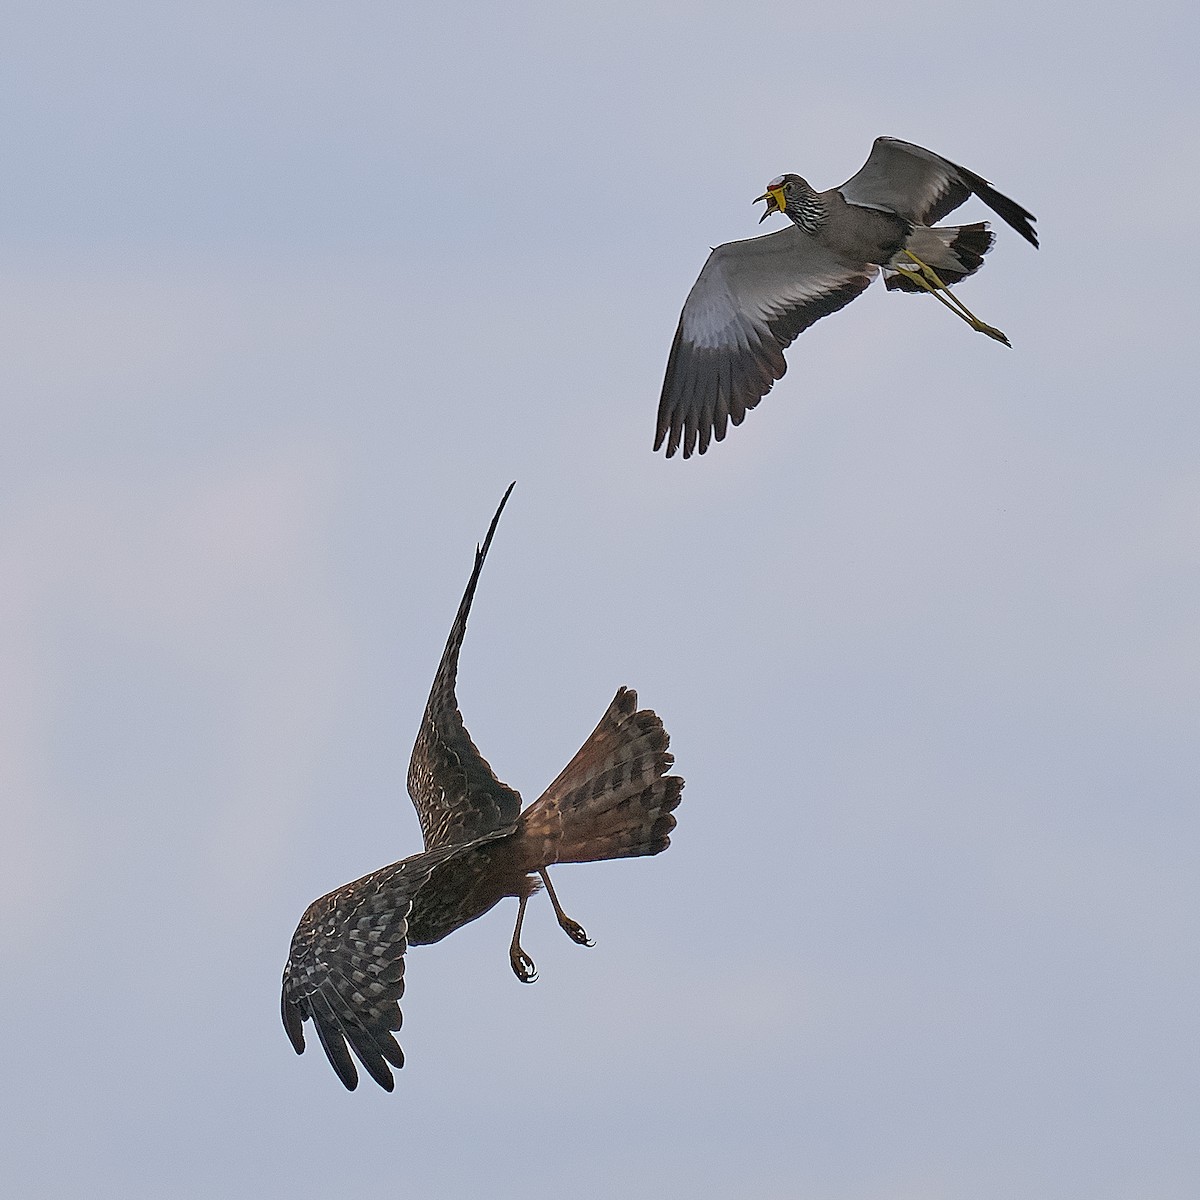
(614, 799)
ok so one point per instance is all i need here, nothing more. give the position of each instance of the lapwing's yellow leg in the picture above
(927, 278)
(936, 280)
(949, 299)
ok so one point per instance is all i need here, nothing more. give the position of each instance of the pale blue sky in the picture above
(289, 293)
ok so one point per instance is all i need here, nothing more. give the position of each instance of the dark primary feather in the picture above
(1019, 218)
(454, 790)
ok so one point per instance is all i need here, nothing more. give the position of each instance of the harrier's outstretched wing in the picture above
(456, 794)
(345, 969)
(923, 187)
(752, 300)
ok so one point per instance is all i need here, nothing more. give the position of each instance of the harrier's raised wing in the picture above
(455, 792)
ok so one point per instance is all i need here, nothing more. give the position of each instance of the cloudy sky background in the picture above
(289, 293)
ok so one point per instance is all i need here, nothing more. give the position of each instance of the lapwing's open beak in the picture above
(776, 202)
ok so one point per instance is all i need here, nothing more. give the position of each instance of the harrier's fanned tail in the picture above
(614, 799)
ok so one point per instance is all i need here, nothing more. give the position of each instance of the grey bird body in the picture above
(854, 232)
(754, 297)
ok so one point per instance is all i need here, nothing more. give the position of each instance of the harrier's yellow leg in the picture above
(927, 278)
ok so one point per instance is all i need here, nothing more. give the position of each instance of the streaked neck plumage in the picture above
(805, 207)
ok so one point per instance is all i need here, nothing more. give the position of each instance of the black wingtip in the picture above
(1013, 214)
(448, 667)
(481, 551)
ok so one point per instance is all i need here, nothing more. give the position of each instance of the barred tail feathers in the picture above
(614, 799)
(953, 251)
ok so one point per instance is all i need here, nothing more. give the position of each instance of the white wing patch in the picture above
(711, 316)
(804, 292)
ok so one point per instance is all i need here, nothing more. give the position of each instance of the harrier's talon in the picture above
(575, 932)
(571, 928)
(521, 963)
(522, 966)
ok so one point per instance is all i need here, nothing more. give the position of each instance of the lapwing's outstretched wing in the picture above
(752, 300)
(923, 187)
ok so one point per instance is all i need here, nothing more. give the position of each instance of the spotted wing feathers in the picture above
(751, 301)
(454, 790)
(345, 971)
(923, 187)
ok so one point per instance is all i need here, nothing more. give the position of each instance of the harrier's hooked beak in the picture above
(776, 202)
